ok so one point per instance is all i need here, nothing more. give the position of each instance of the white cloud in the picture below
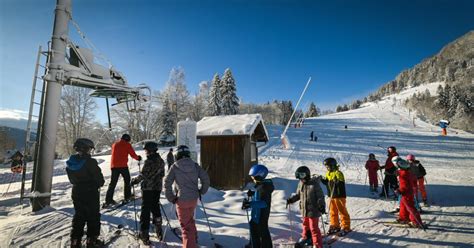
(13, 114)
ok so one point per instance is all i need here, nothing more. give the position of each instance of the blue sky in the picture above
(350, 48)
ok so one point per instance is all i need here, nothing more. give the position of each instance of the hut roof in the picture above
(233, 125)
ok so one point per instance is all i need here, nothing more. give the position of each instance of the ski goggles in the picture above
(300, 175)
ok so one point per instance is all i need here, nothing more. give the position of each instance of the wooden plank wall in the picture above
(226, 159)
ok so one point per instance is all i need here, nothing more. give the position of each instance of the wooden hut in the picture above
(229, 147)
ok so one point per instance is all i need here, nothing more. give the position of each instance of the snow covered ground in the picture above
(448, 161)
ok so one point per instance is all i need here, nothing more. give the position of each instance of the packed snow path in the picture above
(448, 161)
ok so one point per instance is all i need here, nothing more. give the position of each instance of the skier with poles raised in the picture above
(372, 166)
(390, 180)
(408, 211)
(151, 179)
(86, 179)
(312, 206)
(260, 203)
(336, 188)
(186, 174)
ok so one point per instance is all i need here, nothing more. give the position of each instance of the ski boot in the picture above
(159, 231)
(401, 221)
(344, 232)
(333, 230)
(109, 204)
(144, 238)
(94, 242)
(425, 203)
(303, 242)
(76, 243)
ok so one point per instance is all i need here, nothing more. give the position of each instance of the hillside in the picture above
(370, 130)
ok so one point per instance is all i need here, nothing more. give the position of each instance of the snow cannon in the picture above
(444, 124)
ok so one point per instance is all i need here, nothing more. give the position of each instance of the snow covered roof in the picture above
(225, 125)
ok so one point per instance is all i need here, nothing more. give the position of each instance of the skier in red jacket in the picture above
(390, 180)
(408, 212)
(372, 165)
(119, 166)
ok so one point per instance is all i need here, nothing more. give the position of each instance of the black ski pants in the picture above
(390, 183)
(127, 190)
(260, 234)
(87, 211)
(150, 204)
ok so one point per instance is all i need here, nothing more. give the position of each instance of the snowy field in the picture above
(448, 161)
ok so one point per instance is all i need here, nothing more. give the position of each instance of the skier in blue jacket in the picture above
(260, 203)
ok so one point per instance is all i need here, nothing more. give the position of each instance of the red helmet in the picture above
(410, 157)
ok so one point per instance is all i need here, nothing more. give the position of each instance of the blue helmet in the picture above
(258, 170)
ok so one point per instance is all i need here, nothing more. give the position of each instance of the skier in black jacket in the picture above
(86, 179)
(151, 178)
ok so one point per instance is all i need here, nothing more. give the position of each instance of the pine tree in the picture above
(312, 111)
(167, 120)
(215, 99)
(230, 101)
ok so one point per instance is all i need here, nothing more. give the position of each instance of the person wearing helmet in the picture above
(390, 179)
(372, 166)
(119, 166)
(151, 179)
(408, 213)
(16, 162)
(312, 206)
(419, 171)
(336, 189)
(186, 174)
(86, 178)
(260, 204)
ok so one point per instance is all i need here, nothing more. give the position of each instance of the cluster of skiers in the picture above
(184, 184)
(186, 181)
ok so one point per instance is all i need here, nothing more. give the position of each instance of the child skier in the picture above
(312, 206)
(420, 174)
(86, 179)
(336, 187)
(408, 211)
(390, 180)
(151, 178)
(372, 165)
(260, 203)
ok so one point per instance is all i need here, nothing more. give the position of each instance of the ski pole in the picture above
(322, 222)
(288, 206)
(250, 226)
(383, 185)
(415, 216)
(135, 210)
(366, 176)
(208, 225)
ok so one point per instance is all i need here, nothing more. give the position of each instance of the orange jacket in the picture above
(120, 151)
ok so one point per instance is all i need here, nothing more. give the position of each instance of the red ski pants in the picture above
(185, 210)
(311, 224)
(373, 178)
(421, 188)
(408, 210)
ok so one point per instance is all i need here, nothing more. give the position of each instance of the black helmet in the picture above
(126, 137)
(330, 162)
(83, 145)
(151, 146)
(372, 156)
(391, 149)
(302, 173)
(182, 151)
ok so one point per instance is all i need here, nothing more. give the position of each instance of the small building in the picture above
(229, 147)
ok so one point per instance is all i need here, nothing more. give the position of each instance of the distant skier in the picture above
(260, 203)
(372, 166)
(119, 166)
(186, 174)
(420, 173)
(336, 187)
(390, 180)
(151, 178)
(312, 206)
(86, 179)
(311, 136)
(170, 158)
(408, 211)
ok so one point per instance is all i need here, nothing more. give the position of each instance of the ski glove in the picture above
(134, 181)
(250, 193)
(139, 158)
(245, 204)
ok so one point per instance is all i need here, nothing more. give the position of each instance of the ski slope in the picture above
(448, 161)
